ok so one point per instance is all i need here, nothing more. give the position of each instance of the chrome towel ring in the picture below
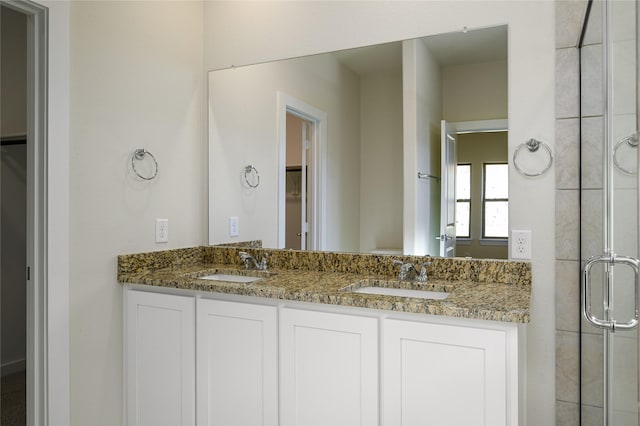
(139, 155)
(632, 141)
(251, 176)
(532, 145)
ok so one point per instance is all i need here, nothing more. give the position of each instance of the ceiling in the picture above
(458, 48)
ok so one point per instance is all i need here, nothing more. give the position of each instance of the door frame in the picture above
(316, 162)
(36, 351)
(48, 210)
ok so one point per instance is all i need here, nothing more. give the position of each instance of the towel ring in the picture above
(632, 141)
(251, 176)
(532, 145)
(139, 155)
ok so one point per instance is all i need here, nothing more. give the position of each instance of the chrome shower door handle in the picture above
(611, 259)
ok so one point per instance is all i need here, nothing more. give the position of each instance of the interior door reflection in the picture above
(296, 210)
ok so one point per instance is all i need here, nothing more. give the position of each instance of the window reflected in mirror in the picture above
(482, 195)
(496, 201)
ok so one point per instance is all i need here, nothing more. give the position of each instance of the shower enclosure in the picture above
(609, 213)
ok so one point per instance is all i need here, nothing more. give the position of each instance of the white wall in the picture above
(381, 161)
(136, 82)
(422, 105)
(475, 91)
(262, 31)
(243, 130)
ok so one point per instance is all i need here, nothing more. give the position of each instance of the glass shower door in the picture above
(609, 214)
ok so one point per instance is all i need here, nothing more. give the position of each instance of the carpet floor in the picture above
(14, 400)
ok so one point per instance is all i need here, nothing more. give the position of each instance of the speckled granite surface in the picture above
(480, 289)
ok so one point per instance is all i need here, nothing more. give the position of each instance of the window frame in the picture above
(466, 200)
(485, 199)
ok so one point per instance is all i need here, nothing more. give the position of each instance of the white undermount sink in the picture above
(230, 278)
(403, 292)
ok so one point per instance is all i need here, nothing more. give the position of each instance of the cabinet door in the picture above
(237, 364)
(443, 375)
(328, 369)
(160, 359)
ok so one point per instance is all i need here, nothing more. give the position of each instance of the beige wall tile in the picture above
(567, 232)
(567, 154)
(567, 83)
(567, 414)
(569, 17)
(592, 416)
(591, 90)
(592, 143)
(567, 295)
(567, 366)
(592, 360)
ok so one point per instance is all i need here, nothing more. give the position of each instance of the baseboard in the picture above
(13, 367)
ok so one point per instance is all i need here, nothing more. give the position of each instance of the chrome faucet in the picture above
(408, 271)
(251, 263)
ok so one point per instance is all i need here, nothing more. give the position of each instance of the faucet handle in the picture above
(263, 261)
(246, 258)
(423, 272)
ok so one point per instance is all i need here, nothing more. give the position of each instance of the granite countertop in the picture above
(501, 299)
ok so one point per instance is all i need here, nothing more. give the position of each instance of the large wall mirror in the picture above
(346, 149)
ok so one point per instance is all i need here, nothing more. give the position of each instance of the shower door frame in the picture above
(608, 258)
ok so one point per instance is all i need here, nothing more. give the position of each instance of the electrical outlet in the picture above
(162, 230)
(520, 244)
(234, 231)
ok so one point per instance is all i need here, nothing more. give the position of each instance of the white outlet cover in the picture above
(234, 230)
(520, 244)
(162, 230)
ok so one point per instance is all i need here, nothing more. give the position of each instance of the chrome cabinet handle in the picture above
(611, 259)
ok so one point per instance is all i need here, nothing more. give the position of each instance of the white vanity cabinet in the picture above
(328, 368)
(160, 359)
(440, 374)
(237, 363)
(218, 359)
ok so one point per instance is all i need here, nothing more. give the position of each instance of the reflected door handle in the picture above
(444, 237)
(299, 234)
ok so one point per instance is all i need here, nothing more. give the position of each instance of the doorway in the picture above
(34, 276)
(13, 217)
(302, 131)
(296, 212)
(474, 189)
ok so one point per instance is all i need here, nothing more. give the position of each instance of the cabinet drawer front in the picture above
(237, 364)
(436, 374)
(328, 368)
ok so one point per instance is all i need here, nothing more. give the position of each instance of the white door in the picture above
(237, 364)
(444, 375)
(160, 359)
(328, 369)
(448, 191)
